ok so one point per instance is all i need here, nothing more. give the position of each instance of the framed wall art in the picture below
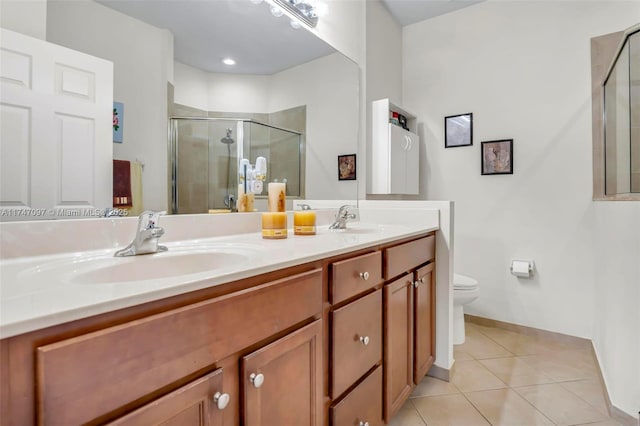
(497, 157)
(458, 130)
(347, 167)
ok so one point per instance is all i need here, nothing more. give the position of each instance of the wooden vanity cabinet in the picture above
(200, 403)
(339, 341)
(282, 382)
(150, 366)
(409, 318)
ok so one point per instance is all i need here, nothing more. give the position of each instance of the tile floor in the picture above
(507, 378)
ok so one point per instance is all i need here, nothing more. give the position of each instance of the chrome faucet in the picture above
(147, 236)
(345, 214)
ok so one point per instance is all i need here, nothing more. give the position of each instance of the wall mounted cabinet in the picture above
(395, 150)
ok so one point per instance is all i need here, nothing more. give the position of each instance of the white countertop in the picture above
(43, 290)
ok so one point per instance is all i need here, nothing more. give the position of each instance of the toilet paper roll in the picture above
(521, 268)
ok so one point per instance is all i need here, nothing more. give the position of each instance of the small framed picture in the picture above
(118, 121)
(458, 130)
(497, 157)
(347, 167)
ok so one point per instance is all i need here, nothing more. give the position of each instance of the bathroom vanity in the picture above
(335, 336)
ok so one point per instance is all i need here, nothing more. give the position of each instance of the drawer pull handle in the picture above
(364, 275)
(256, 379)
(364, 340)
(363, 423)
(221, 400)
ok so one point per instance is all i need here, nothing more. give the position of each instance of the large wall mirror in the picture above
(290, 97)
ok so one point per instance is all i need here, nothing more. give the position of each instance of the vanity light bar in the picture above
(309, 17)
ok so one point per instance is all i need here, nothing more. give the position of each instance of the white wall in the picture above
(25, 17)
(617, 310)
(328, 87)
(219, 91)
(343, 27)
(141, 55)
(523, 69)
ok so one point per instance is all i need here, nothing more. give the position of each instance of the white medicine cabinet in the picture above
(395, 150)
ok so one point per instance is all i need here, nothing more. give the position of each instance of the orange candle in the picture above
(304, 222)
(274, 225)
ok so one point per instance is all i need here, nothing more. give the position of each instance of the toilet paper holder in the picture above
(522, 268)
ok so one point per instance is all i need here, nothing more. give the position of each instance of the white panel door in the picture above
(56, 149)
(403, 161)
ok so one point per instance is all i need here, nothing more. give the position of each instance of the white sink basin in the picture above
(154, 266)
(177, 262)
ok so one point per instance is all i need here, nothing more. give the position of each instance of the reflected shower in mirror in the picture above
(209, 173)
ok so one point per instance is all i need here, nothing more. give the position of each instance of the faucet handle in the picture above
(149, 220)
(348, 211)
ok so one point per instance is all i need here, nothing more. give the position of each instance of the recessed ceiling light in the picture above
(228, 61)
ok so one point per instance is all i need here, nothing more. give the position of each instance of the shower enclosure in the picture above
(204, 157)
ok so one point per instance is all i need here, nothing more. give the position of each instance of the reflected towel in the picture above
(122, 183)
(137, 206)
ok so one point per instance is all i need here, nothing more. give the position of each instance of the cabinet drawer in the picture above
(192, 404)
(361, 405)
(354, 276)
(356, 341)
(404, 257)
(132, 360)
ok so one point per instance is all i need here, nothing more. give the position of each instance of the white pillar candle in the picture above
(277, 197)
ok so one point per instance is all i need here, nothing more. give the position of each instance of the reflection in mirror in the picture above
(155, 42)
(210, 173)
(622, 120)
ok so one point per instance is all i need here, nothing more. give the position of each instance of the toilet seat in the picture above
(464, 283)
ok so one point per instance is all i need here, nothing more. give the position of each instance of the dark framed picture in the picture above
(347, 167)
(497, 157)
(458, 130)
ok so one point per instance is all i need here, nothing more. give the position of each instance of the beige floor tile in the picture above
(459, 354)
(563, 366)
(454, 410)
(560, 405)
(430, 386)
(506, 407)
(589, 390)
(407, 416)
(469, 376)
(515, 372)
(481, 347)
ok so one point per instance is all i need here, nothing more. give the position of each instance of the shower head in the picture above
(228, 140)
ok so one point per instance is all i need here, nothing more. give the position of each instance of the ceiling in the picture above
(409, 12)
(205, 32)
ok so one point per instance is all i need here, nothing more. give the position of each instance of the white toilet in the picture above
(465, 290)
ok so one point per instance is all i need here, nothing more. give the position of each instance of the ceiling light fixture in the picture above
(276, 11)
(228, 61)
(304, 11)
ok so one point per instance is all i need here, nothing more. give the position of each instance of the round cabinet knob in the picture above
(256, 379)
(364, 275)
(363, 423)
(221, 400)
(364, 340)
(416, 283)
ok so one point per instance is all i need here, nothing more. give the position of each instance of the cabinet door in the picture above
(282, 382)
(200, 403)
(424, 313)
(404, 160)
(398, 347)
